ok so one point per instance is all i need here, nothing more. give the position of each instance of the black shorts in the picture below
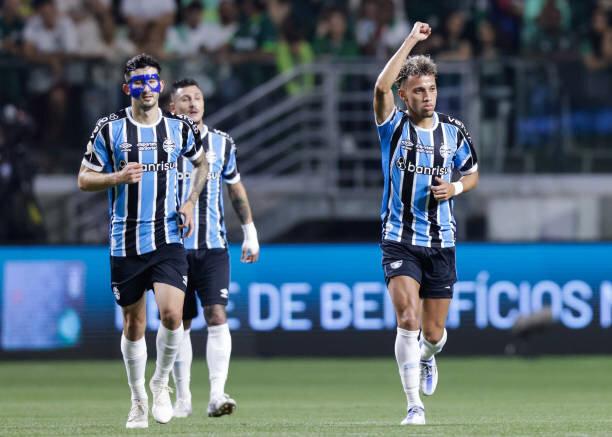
(209, 276)
(132, 276)
(432, 267)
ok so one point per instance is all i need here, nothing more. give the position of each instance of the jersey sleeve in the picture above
(385, 129)
(231, 175)
(465, 159)
(192, 143)
(96, 155)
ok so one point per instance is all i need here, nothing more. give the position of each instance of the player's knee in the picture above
(134, 327)
(171, 318)
(215, 315)
(408, 321)
(433, 332)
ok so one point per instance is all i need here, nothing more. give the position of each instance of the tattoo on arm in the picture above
(199, 175)
(240, 202)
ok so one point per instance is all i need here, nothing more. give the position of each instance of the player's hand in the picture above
(186, 212)
(420, 31)
(131, 173)
(250, 245)
(443, 190)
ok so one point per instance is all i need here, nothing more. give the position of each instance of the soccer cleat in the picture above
(221, 406)
(429, 376)
(415, 416)
(182, 408)
(139, 415)
(162, 406)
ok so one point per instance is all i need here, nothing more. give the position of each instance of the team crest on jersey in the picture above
(445, 151)
(125, 147)
(168, 145)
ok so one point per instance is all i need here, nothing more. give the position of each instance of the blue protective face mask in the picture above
(138, 84)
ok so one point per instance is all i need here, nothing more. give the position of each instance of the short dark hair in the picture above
(140, 61)
(183, 83)
(419, 65)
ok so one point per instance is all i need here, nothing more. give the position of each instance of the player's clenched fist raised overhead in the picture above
(420, 31)
(131, 173)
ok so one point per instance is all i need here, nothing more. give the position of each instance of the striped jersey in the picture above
(411, 159)
(220, 151)
(143, 215)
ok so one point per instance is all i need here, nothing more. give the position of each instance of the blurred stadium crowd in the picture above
(61, 60)
(40, 39)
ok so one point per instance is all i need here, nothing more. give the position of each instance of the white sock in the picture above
(135, 359)
(218, 351)
(428, 350)
(167, 343)
(182, 367)
(407, 355)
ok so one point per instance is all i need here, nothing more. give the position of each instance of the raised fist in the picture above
(420, 31)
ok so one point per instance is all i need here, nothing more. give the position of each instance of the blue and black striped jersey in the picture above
(411, 159)
(209, 223)
(143, 215)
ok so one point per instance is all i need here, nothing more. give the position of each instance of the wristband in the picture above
(458, 188)
(249, 232)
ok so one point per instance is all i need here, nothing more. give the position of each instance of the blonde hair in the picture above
(419, 65)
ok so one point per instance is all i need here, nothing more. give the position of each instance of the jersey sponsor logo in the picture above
(183, 175)
(224, 293)
(213, 175)
(211, 156)
(168, 145)
(156, 166)
(113, 117)
(125, 147)
(147, 146)
(421, 169)
(396, 264)
(408, 144)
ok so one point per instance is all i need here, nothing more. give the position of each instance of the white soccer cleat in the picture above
(429, 376)
(221, 406)
(182, 408)
(139, 415)
(415, 416)
(162, 405)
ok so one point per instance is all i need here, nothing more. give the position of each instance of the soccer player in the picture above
(420, 149)
(207, 254)
(133, 154)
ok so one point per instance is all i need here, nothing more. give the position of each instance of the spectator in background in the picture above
(596, 41)
(292, 50)
(187, 39)
(334, 38)
(456, 44)
(381, 27)
(486, 41)
(11, 29)
(95, 28)
(50, 40)
(252, 48)
(147, 21)
(546, 25)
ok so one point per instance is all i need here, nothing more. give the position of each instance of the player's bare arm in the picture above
(199, 175)
(444, 190)
(90, 180)
(383, 93)
(240, 203)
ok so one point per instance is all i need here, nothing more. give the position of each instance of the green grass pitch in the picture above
(476, 397)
